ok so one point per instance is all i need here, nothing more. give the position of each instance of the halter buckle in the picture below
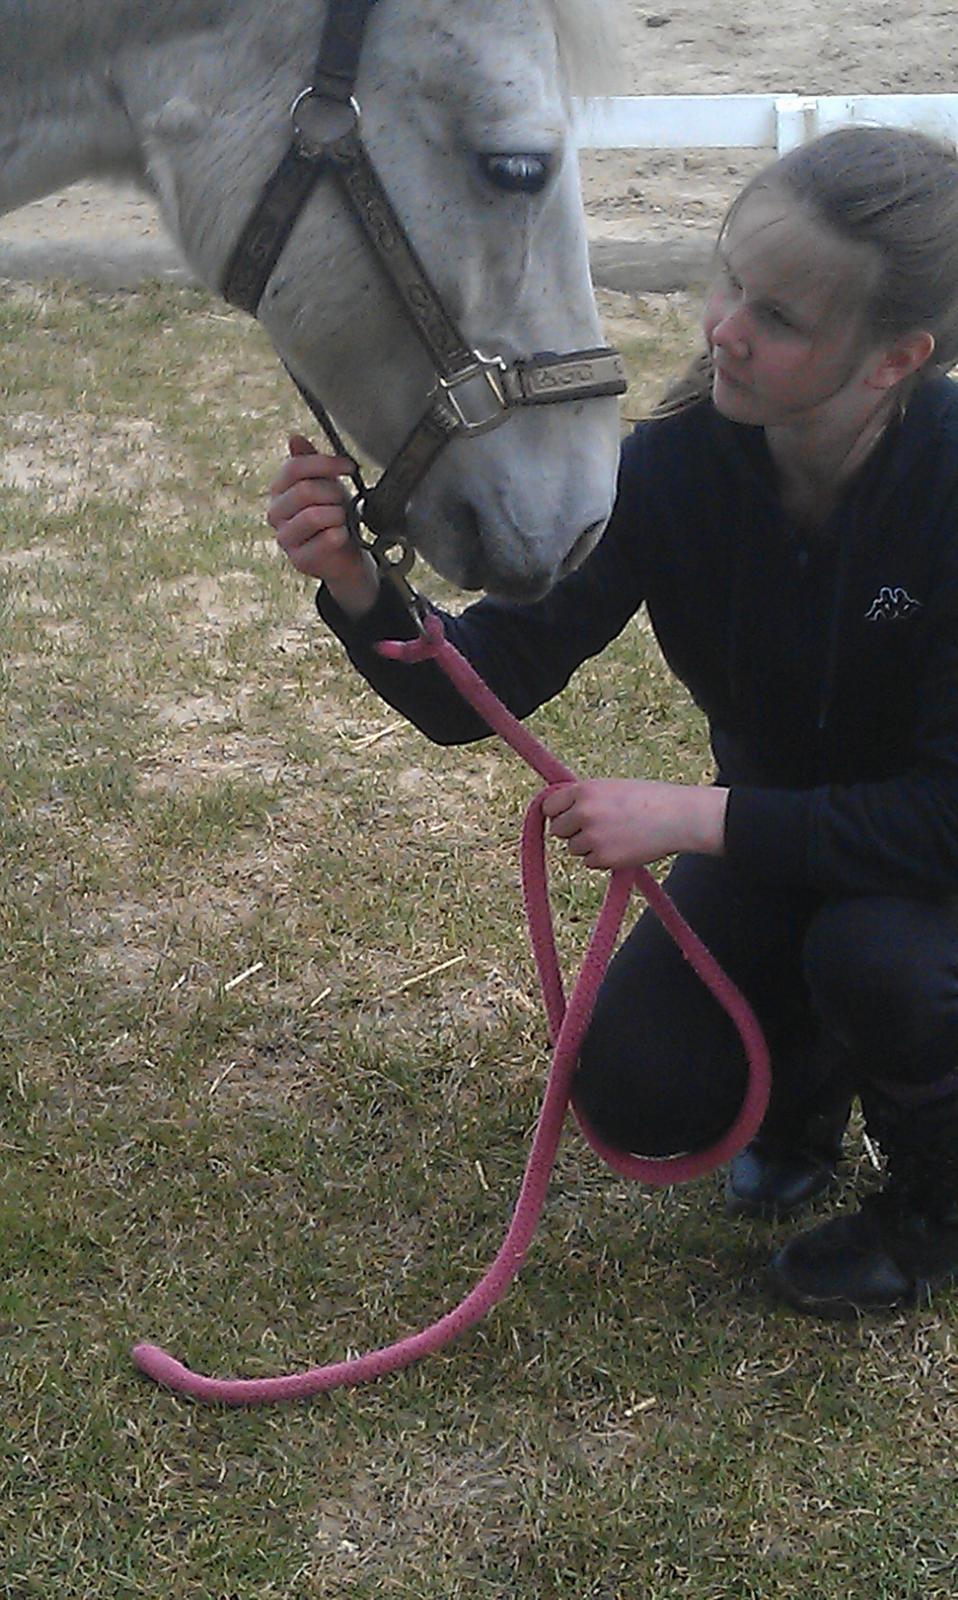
(476, 395)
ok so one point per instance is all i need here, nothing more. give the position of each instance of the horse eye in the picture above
(517, 174)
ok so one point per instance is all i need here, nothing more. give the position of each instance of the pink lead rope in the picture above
(567, 1026)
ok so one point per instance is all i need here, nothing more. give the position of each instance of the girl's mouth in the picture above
(726, 377)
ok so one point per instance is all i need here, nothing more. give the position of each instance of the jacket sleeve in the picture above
(526, 653)
(898, 835)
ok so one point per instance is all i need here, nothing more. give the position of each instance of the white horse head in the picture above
(193, 97)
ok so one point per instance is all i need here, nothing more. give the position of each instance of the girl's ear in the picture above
(905, 357)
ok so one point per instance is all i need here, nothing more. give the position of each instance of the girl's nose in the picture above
(730, 333)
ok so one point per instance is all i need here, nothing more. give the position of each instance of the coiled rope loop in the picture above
(568, 1022)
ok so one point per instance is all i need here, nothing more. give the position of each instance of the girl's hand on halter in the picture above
(623, 822)
(307, 510)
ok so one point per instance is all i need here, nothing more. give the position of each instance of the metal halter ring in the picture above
(333, 120)
(391, 551)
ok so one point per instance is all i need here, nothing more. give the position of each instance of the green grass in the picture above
(323, 1156)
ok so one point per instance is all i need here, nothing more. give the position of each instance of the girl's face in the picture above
(783, 318)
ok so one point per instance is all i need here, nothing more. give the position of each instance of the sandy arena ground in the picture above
(665, 205)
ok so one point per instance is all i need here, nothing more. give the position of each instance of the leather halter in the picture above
(473, 393)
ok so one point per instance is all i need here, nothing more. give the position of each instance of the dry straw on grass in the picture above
(270, 1058)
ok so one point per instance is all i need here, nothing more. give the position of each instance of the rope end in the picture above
(157, 1364)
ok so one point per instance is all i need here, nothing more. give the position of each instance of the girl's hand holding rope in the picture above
(613, 823)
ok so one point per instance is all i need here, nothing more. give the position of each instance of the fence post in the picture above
(796, 121)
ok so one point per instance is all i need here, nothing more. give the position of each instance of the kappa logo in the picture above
(890, 604)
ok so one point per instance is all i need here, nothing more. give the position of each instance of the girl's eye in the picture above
(777, 318)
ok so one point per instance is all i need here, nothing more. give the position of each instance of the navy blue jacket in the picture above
(826, 662)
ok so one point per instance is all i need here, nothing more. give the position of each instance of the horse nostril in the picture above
(585, 543)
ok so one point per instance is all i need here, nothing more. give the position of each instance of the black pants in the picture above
(855, 990)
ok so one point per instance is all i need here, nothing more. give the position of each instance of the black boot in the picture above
(779, 1173)
(794, 1156)
(903, 1243)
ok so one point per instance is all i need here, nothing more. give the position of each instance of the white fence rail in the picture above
(750, 121)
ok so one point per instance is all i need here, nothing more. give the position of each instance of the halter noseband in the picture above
(473, 393)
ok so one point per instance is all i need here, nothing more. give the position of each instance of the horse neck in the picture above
(63, 114)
